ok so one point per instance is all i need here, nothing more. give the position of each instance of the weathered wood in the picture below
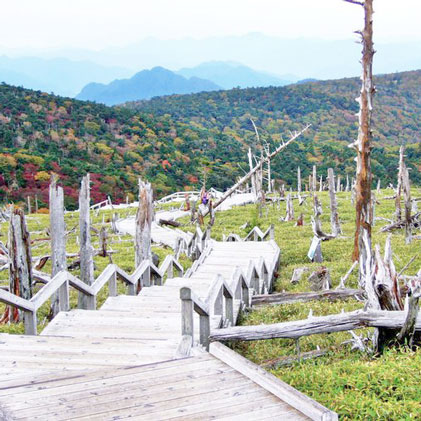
(86, 249)
(257, 167)
(289, 209)
(60, 300)
(297, 274)
(408, 205)
(290, 360)
(315, 325)
(171, 223)
(272, 384)
(20, 262)
(303, 297)
(144, 217)
(320, 279)
(316, 222)
(363, 146)
(334, 216)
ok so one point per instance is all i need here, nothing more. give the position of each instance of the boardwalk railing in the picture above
(224, 300)
(182, 194)
(145, 275)
(256, 234)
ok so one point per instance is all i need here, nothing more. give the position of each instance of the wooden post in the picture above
(186, 313)
(334, 217)
(86, 249)
(20, 267)
(103, 237)
(28, 199)
(60, 300)
(36, 203)
(144, 217)
(321, 184)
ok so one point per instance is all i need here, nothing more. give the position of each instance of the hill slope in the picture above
(173, 141)
(144, 85)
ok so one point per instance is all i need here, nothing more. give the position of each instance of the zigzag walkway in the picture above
(130, 360)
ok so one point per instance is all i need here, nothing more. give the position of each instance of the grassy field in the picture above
(356, 385)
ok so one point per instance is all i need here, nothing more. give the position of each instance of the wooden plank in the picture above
(283, 391)
(90, 401)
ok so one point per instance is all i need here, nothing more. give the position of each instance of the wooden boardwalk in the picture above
(130, 360)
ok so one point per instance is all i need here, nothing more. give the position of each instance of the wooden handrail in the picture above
(256, 234)
(64, 279)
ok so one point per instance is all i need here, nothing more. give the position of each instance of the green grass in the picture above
(355, 385)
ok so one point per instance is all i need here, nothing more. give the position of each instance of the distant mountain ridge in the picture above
(145, 84)
(230, 75)
(59, 75)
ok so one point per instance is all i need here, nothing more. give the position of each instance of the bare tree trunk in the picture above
(321, 184)
(347, 183)
(398, 209)
(299, 180)
(378, 186)
(334, 216)
(408, 207)
(253, 177)
(314, 179)
(257, 167)
(58, 244)
(362, 240)
(28, 200)
(338, 183)
(144, 217)
(20, 268)
(86, 249)
(289, 209)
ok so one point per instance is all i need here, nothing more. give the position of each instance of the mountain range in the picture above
(144, 85)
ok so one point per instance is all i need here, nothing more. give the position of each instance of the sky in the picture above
(97, 24)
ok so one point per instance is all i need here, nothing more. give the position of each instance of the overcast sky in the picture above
(95, 24)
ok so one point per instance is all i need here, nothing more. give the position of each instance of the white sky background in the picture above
(97, 24)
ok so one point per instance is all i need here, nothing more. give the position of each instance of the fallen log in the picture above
(303, 297)
(169, 222)
(289, 360)
(316, 325)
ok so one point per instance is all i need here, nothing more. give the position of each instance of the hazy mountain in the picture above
(230, 75)
(144, 85)
(304, 58)
(61, 76)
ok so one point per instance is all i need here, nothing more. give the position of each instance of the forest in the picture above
(174, 141)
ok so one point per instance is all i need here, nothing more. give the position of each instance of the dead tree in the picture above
(20, 263)
(401, 172)
(316, 223)
(314, 179)
(299, 180)
(86, 249)
(58, 245)
(257, 167)
(334, 216)
(363, 145)
(144, 217)
(289, 209)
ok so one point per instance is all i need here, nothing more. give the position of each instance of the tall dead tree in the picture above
(144, 217)
(406, 187)
(334, 216)
(58, 244)
(314, 179)
(86, 249)
(20, 266)
(363, 145)
(299, 180)
(401, 172)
